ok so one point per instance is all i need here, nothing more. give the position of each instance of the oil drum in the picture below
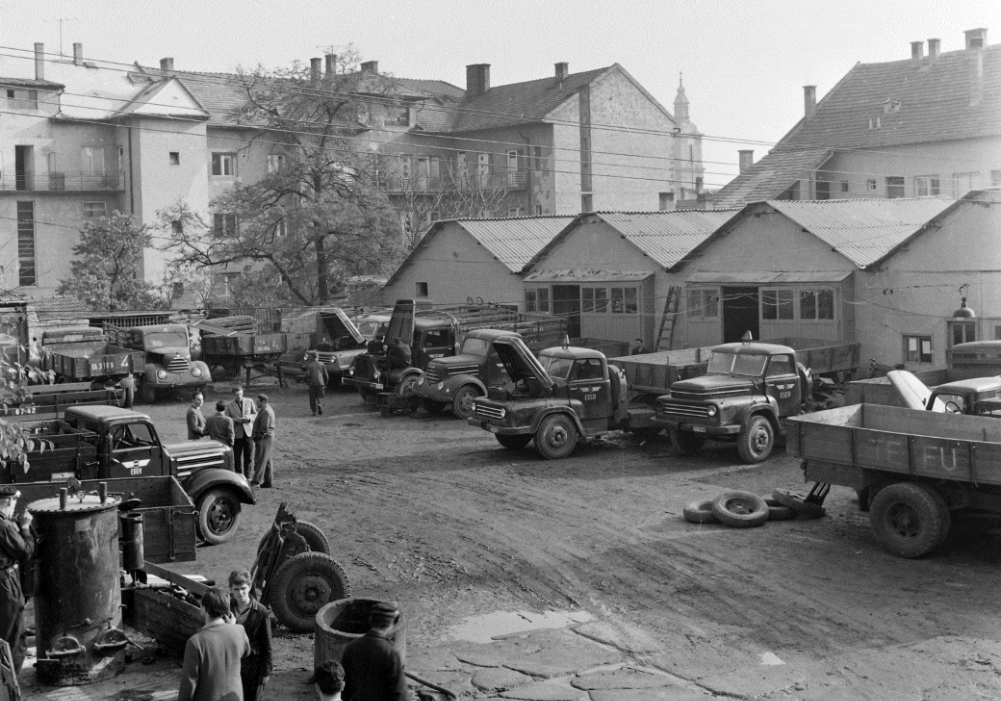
(345, 620)
(78, 614)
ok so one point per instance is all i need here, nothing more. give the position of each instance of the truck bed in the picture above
(91, 359)
(256, 345)
(878, 390)
(654, 373)
(822, 357)
(885, 438)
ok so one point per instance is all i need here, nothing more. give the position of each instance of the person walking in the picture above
(17, 545)
(212, 656)
(316, 378)
(219, 427)
(264, 436)
(256, 621)
(373, 668)
(243, 412)
(195, 420)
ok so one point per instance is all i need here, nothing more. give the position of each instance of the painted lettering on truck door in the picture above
(135, 451)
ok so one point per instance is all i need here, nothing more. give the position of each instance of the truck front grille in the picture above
(432, 375)
(177, 365)
(686, 410)
(186, 464)
(487, 412)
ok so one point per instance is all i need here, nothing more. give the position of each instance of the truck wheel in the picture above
(756, 441)
(302, 586)
(516, 442)
(686, 442)
(699, 512)
(909, 520)
(557, 437)
(405, 390)
(462, 404)
(218, 515)
(148, 394)
(740, 509)
(432, 407)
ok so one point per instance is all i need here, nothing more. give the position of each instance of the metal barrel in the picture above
(132, 541)
(345, 620)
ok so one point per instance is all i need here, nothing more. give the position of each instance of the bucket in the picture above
(340, 622)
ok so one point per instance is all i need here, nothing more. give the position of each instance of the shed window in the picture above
(816, 304)
(174, 158)
(625, 300)
(537, 299)
(776, 305)
(703, 304)
(22, 99)
(917, 349)
(594, 300)
(422, 289)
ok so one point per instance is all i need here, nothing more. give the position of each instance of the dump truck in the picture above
(84, 354)
(565, 394)
(748, 391)
(433, 332)
(168, 358)
(104, 442)
(917, 472)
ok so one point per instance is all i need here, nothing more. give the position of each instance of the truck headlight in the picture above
(440, 386)
(711, 411)
(197, 372)
(161, 374)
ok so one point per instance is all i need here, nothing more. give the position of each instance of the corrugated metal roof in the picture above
(515, 241)
(667, 237)
(574, 275)
(752, 277)
(863, 230)
(771, 176)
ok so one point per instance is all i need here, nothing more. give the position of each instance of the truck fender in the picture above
(203, 480)
(767, 410)
(455, 383)
(149, 372)
(415, 373)
(206, 373)
(559, 410)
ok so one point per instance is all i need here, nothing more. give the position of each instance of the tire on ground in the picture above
(778, 512)
(685, 442)
(909, 519)
(740, 509)
(516, 442)
(462, 403)
(302, 586)
(756, 441)
(700, 512)
(218, 515)
(557, 437)
(797, 502)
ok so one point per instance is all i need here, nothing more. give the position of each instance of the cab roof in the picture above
(572, 352)
(754, 348)
(104, 413)
(491, 334)
(977, 384)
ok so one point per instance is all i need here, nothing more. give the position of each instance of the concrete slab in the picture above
(626, 678)
(675, 693)
(619, 635)
(758, 681)
(499, 679)
(543, 653)
(546, 691)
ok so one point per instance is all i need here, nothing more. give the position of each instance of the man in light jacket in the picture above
(243, 412)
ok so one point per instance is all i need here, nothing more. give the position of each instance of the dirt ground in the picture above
(435, 515)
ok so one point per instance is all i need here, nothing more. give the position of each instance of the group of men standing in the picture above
(247, 427)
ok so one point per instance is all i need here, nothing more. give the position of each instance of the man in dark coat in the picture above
(399, 355)
(264, 436)
(373, 668)
(219, 427)
(256, 620)
(212, 656)
(316, 378)
(194, 418)
(17, 545)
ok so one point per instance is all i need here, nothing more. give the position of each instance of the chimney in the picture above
(370, 66)
(977, 79)
(314, 68)
(745, 159)
(976, 38)
(39, 61)
(167, 64)
(809, 100)
(917, 50)
(933, 48)
(77, 54)
(477, 79)
(562, 70)
(331, 65)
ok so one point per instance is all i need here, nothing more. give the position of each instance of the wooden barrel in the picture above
(342, 621)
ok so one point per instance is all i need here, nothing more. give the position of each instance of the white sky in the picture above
(744, 61)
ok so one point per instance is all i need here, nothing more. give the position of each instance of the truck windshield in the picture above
(475, 346)
(744, 364)
(161, 340)
(557, 368)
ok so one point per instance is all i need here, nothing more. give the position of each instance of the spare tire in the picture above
(778, 512)
(740, 509)
(302, 586)
(700, 512)
(797, 502)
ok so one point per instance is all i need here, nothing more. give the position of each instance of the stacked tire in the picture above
(740, 509)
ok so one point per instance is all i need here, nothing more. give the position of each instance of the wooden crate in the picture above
(165, 618)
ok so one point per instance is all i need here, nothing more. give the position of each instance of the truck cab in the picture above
(168, 358)
(977, 396)
(747, 392)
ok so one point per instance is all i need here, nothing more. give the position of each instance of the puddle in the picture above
(484, 628)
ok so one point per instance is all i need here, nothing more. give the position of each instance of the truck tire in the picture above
(797, 502)
(517, 442)
(740, 509)
(432, 407)
(302, 586)
(557, 437)
(700, 512)
(314, 537)
(686, 442)
(756, 441)
(218, 515)
(462, 403)
(909, 519)
(405, 390)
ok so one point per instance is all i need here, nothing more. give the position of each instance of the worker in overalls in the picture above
(17, 545)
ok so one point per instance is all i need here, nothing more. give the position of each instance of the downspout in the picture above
(528, 180)
(132, 180)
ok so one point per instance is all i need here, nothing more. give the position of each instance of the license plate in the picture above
(699, 429)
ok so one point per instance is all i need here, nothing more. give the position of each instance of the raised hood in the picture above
(337, 325)
(712, 386)
(519, 361)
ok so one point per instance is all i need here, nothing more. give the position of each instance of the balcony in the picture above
(62, 182)
(495, 181)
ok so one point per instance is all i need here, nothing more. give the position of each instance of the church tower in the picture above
(686, 153)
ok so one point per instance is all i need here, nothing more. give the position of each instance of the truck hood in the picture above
(189, 449)
(456, 364)
(712, 386)
(338, 325)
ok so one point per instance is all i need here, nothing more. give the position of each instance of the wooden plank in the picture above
(196, 588)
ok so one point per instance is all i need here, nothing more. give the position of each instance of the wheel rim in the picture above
(903, 521)
(309, 593)
(557, 437)
(464, 402)
(739, 506)
(759, 439)
(220, 516)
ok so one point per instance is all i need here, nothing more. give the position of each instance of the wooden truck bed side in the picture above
(654, 373)
(822, 357)
(892, 439)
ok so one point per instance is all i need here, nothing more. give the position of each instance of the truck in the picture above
(919, 474)
(106, 442)
(749, 390)
(169, 365)
(565, 394)
(339, 340)
(236, 353)
(457, 381)
(432, 332)
(84, 354)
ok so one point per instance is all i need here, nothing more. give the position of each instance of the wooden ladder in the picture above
(665, 337)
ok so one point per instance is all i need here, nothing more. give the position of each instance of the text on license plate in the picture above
(699, 429)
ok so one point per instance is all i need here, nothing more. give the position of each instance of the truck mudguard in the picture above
(207, 478)
(453, 383)
(571, 411)
(770, 410)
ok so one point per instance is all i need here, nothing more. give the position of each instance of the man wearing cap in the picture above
(373, 668)
(316, 378)
(219, 427)
(17, 545)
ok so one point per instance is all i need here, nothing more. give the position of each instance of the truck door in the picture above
(431, 343)
(588, 383)
(135, 451)
(782, 384)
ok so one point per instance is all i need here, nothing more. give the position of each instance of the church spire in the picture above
(681, 101)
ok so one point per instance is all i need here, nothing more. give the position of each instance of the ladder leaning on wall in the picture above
(665, 337)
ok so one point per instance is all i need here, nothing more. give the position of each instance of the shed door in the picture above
(740, 313)
(566, 303)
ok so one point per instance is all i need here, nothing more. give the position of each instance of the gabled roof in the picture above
(666, 237)
(166, 98)
(771, 176)
(30, 83)
(512, 242)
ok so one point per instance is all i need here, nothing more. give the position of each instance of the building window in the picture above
(422, 289)
(461, 166)
(594, 300)
(399, 116)
(513, 212)
(776, 305)
(962, 183)
(483, 168)
(276, 161)
(26, 244)
(624, 300)
(537, 299)
(22, 99)
(894, 186)
(844, 186)
(224, 165)
(281, 228)
(870, 185)
(537, 161)
(823, 190)
(664, 200)
(586, 203)
(816, 305)
(92, 160)
(703, 304)
(406, 167)
(926, 186)
(174, 158)
(514, 178)
(917, 349)
(224, 224)
(95, 210)
(961, 332)
(538, 210)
